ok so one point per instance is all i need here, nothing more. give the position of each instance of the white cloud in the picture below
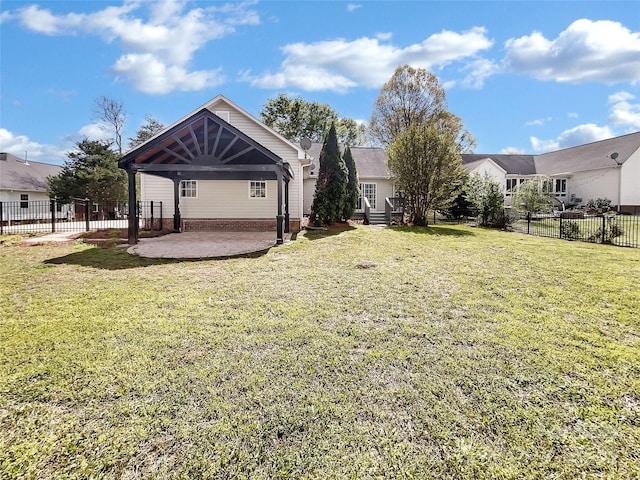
(623, 112)
(149, 74)
(341, 64)
(601, 51)
(538, 122)
(93, 132)
(512, 151)
(572, 115)
(579, 135)
(19, 144)
(352, 7)
(481, 69)
(166, 41)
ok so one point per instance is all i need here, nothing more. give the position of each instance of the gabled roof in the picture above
(214, 105)
(16, 174)
(204, 146)
(371, 162)
(590, 156)
(512, 164)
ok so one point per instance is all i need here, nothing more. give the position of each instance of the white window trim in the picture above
(266, 191)
(373, 207)
(195, 183)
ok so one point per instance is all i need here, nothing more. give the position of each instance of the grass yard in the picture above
(443, 352)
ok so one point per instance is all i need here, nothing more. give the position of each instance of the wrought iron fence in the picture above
(77, 215)
(612, 229)
(609, 228)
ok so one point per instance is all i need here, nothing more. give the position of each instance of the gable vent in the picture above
(223, 114)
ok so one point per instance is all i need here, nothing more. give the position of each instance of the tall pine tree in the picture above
(331, 188)
(353, 187)
(90, 172)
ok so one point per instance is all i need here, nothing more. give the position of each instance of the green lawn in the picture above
(443, 352)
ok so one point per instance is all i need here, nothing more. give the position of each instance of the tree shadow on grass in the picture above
(436, 230)
(117, 258)
(311, 233)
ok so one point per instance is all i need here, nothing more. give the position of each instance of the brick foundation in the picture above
(212, 224)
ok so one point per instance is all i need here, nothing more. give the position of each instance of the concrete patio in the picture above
(205, 244)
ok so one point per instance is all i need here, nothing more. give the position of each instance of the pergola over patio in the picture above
(205, 147)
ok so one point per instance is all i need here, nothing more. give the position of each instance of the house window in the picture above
(188, 189)
(561, 187)
(257, 189)
(367, 190)
(512, 186)
(547, 186)
(24, 200)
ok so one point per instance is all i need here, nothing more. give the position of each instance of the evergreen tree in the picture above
(91, 172)
(151, 128)
(353, 187)
(331, 187)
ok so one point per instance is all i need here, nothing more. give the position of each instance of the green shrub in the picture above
(611, 230)
(570, 230)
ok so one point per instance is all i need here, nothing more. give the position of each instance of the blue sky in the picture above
(523, 76)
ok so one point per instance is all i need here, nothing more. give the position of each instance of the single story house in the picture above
(604, 169)
(219, 168)
(23, 188)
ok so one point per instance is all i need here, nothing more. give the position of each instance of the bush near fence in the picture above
(607, 228)
(611, 229)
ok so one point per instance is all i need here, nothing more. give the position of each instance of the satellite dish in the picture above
(613, 156)
(312, 166)
(305, 143)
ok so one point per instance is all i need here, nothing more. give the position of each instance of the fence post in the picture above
(528, 222)
(434, 217)
(604, 227)
(1, 219)
(52, 204)
(560, 233)
(152, 228)
(86, 214)
(161, 226)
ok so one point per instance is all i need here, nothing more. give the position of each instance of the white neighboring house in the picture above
(605, 169)
(374, 177)
(219, 168)
(23, 188)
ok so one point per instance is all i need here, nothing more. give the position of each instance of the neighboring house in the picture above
(373, 175)
(219, 168)
(605, 169)
(23, 188)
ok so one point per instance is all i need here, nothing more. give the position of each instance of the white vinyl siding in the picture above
(216, 199)
(230, 198)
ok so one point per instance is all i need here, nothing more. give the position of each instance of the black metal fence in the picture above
(612, 229)
(77, 215)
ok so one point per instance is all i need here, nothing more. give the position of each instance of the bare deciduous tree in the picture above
(112, 113)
